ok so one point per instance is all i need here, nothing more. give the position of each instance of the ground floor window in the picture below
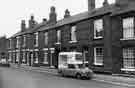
(45, 58)
(36, 57)
(98, 56)
(24, 57)
(85, 53)
(17, 56)
(129, 58)
(10, 57)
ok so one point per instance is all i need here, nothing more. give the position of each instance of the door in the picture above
(71, 70)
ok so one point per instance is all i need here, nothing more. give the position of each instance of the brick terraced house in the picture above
(105, 35)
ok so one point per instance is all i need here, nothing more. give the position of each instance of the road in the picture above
(16, 78)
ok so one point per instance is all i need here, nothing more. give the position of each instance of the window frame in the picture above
(101, 29)
(95, 56)
(131, 28)
(46, 38)
(17, 42)
(126, 56)
(36, 37)
(24, 40)
(45, 58)
(58, 36)
(73, 34)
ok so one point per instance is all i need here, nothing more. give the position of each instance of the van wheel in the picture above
(78, 76)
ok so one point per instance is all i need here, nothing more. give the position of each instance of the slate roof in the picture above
(112, 9)
(123, 10)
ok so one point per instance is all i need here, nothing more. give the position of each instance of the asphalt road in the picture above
(16, 78)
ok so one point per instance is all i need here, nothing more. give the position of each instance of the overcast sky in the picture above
(13, 11)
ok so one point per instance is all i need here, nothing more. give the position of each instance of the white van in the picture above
(73, 64)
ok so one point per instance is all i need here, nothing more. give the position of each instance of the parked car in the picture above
(76, 70)
(4, 62)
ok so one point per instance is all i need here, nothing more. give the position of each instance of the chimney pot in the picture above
(67, 13)
(91, 5)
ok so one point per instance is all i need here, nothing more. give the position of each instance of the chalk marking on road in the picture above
(115, 83)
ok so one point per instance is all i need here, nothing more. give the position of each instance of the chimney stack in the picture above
(124, 2)
(67, 13)
(32, 22)
(91, 5)
(44, 20)
(23, 26)
(52, 16)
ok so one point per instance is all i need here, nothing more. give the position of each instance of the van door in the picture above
(71, 70)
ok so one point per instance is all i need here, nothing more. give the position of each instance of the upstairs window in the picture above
(17, 42)
(58, 36)
(73, 34)
(128, 28)
(24, 40)
(10, 43)
(98, 29)
(36, 39)
(46, 38)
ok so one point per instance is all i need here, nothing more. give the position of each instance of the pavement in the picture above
(113, 79)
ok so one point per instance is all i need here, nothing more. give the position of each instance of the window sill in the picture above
(128, 38)
(72, 41)
(58, 43)
(98, 37)
(98, 65)
(36, 62)
(127, 69)
(24, 46)
(45, 62)
(35, 45)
